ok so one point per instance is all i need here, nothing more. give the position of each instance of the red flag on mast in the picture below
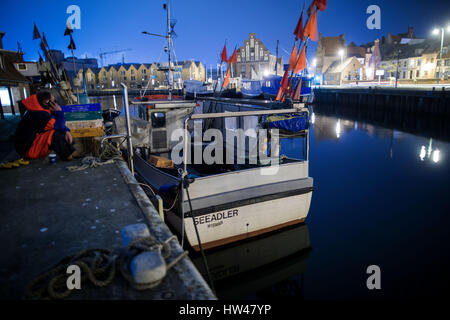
(301, 62)
(298, 32)
(283, 85)
(227, 79)
(321, 4)
(293, 58)
(233, 58)
(223, 55)
(311, 27)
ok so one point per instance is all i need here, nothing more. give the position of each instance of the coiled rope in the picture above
(99, 267)
(109, 153)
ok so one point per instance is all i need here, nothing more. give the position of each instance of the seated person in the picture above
(43, 128)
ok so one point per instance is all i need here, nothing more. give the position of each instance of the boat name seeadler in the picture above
(216, 216)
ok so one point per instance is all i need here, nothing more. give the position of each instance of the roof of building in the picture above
(338, 67)
(9, 74)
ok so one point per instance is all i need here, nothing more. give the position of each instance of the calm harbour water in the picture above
(382, 197)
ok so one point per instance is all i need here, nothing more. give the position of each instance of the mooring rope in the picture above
(99, 267)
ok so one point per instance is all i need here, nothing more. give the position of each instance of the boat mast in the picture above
(169, 38)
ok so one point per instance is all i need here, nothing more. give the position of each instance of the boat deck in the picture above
(49, 213)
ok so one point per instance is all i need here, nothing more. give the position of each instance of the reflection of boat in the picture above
(248, 268)
(229, 201)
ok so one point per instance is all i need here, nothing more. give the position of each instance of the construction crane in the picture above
(102, 55)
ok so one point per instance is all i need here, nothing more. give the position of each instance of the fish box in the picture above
(87, 132)
(81, 116)
(84, 124)
(82, 107)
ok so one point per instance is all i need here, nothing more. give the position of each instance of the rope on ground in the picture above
(109, 153)
(99, 267)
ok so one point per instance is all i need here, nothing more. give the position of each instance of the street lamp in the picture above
(341, 54)
(436, 32)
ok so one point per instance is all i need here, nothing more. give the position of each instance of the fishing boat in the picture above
(271, 84)
(247, 189)
(213, 204)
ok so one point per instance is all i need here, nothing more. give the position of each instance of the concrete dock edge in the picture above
(193, 280)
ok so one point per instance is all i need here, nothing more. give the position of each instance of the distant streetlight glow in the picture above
(436, 32)
(314, 62)
(313, 118)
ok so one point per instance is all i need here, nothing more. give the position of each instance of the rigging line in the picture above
(150, 78)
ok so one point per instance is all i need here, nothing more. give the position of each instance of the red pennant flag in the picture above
(233, 58)
(223, 55)
(298, 90)
(298, 32)
(321, 4)
(283, 85)
(284, 81)
(301, 62)
(227, 79)
(311, 27)
(293, 59)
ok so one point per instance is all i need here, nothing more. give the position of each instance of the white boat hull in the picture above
(219, 228)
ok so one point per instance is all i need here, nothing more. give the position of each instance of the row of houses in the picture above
(402, 57)
(143, 75)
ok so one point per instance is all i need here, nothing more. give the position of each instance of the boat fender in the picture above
(133, 232)
(148, 267)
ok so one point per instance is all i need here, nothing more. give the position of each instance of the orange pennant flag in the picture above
(293, 58)
(311, 27)
(301, 62)
(233, 58)
(227, 79)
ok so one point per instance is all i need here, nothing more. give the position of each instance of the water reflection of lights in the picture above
(338, 128)
(436, 156)
(429, 153)
(422, 153)
(313, 118)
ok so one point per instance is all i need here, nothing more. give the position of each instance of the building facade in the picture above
(254, 60)
(138, 76)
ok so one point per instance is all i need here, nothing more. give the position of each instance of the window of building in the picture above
(266, 57)
(122, 73)
(404, 74)
(2, 64)
(419, 62)
(447, 62)
(89, 77)
(144, 71)
(252, 42)
(132, 71)
(133, 78)
(22, 67)
(417, 73)
(4, 96)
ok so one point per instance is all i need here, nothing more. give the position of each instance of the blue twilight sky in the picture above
(203, 25)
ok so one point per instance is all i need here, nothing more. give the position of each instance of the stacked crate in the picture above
(84, 120)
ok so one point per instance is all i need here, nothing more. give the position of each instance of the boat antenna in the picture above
(169, 40)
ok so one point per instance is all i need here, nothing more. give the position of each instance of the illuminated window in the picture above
(4, 97)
